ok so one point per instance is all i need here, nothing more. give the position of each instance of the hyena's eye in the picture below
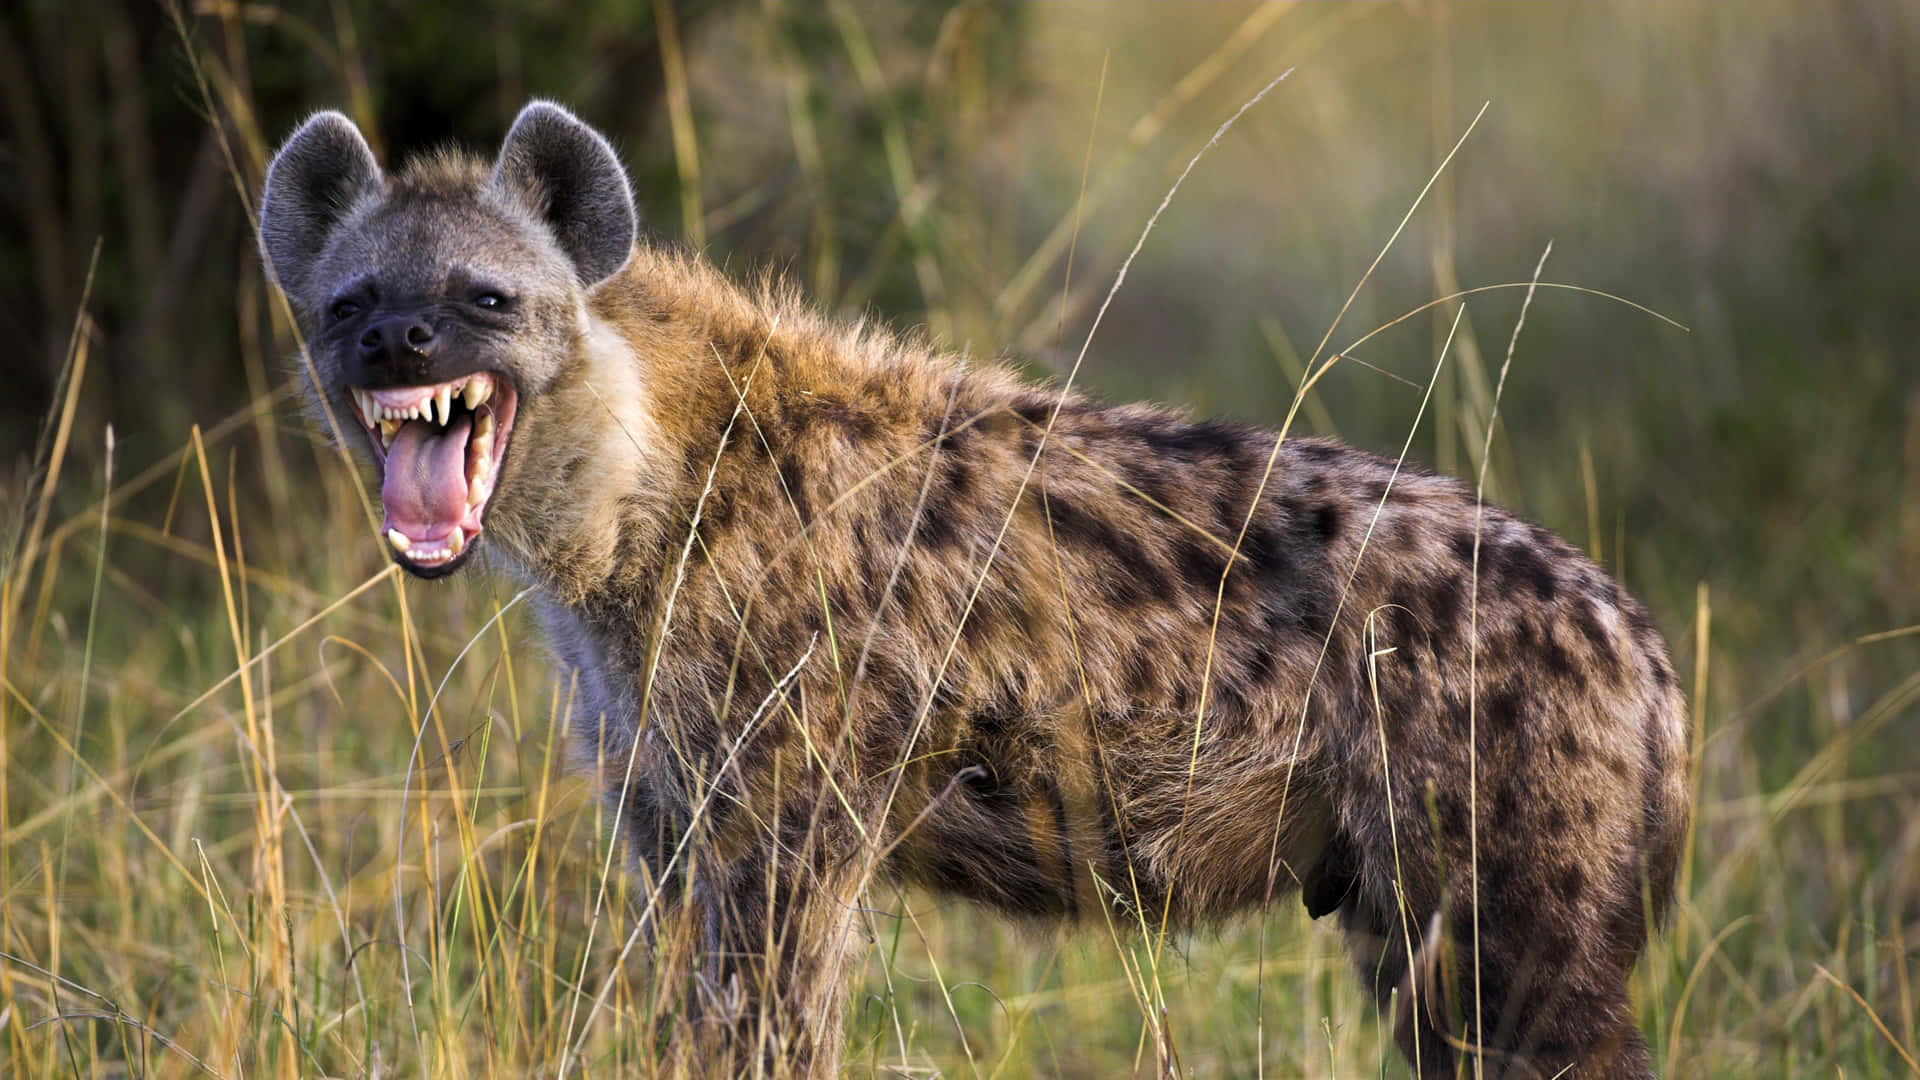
(492, 301)
(345, 309)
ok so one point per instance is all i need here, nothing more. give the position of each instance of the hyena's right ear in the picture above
(568, 174)
(313, 181)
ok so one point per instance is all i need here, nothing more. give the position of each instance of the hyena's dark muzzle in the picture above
(439, 424)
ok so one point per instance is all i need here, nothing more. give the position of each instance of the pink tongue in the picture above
(425, 491)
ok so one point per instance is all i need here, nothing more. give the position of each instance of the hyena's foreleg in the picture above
(780, 928)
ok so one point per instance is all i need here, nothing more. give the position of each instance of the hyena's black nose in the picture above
(396, 341)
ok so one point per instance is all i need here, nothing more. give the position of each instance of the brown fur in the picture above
(850, 609)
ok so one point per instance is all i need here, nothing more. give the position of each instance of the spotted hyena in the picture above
(844, 608)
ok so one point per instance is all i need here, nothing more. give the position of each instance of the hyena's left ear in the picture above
(570, 176)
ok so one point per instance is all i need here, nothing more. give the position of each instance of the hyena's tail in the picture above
(1668, 806)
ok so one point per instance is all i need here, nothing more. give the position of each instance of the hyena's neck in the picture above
(594, 478)
(677, 363)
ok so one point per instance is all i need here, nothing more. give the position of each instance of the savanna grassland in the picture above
(269, 808)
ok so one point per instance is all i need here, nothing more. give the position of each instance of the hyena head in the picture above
(442, 304)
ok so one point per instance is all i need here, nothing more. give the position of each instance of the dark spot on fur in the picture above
(1446, 602)
(1560, 662)
(1034, 410)
(980, 623)
(1403, 531)
(1461, 543)
(1201, 561)
(1269, 557)
(1319, 452)
(1195, 441)
(1568, 744)
(956, 477)
(1183, 697)
(793, 480)
(1099, 538)
(1326, 523)
(1516, 564)
(1263, 659)
(1505, 709)
(935, 528)
(1588, 621)
(1508, 804)
(858, 423)
(1140, 677)
(1403, 596)
(1556, 821)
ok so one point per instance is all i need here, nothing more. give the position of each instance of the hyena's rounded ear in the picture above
(313, 181)
(570, 176)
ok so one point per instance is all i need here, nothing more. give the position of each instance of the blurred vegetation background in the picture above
(1747, 170)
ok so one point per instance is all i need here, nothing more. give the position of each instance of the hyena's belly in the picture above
(1137, 839)
(1015, 851)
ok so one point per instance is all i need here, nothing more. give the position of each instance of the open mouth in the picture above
(440, 447)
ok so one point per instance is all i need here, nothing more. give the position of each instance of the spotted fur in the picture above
(836, 607)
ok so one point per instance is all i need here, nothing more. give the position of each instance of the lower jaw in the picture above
(429, 571)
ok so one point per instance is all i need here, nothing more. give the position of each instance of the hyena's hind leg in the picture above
(1386, 947)
(1552, 986)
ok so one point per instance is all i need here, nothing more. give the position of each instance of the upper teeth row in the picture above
(437, 406)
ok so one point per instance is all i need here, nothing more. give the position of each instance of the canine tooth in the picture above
(455, 542)
(398, 539)
(444, 396)
(476, 391)
(363, 401)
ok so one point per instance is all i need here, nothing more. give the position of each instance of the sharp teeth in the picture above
(398, 539)
(388, 429)
(455, 542)
(476, 391)
(363, 401)
(483, 427)
(444, 396)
